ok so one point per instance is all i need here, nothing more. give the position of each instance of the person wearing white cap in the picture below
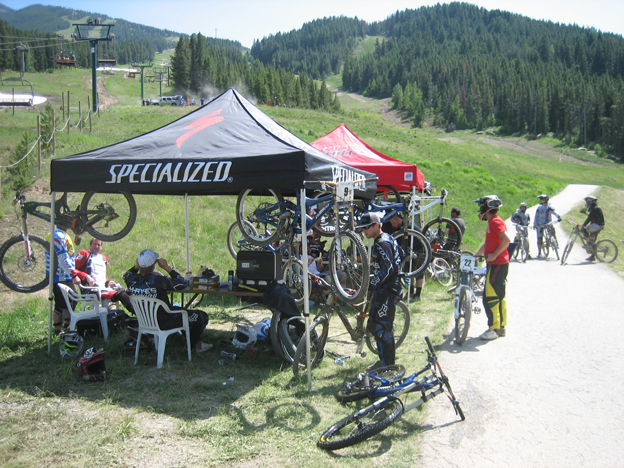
(384, 288)
(142, 280)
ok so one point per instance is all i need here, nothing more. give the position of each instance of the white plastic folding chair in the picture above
(89, 307)
(146, 309)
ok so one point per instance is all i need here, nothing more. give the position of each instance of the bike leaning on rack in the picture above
(385, 386)
(106, 216)
(604, 250)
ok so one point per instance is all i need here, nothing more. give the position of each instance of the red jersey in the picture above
(496, 225)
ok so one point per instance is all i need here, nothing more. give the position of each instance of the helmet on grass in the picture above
(244, 337)
(70, 345)
(543, 197)
(488, 203)
(91, 366)
(262, 329)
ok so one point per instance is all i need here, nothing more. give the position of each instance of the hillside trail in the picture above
(549, 394)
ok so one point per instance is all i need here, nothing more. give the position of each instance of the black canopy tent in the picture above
(219, 149)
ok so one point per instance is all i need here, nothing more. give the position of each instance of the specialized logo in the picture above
(199, 125)
(152, 173)
(342, 174)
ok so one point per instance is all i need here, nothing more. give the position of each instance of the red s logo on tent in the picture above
(199, 125)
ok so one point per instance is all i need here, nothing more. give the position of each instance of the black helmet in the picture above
(590, 200)
(488, 202)
(543, 196)
(91, 366)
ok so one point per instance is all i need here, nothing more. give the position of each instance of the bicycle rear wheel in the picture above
(319, 331)
(356, 388)
(361, 425)
(417, 252)
(236, 240)
(115, 213)
(262, 209)
(22, 269)
(349, 267)
(292, 273)
(400, 328)
(436, 232)
(462, 320)
(606, 251)
(326, 226)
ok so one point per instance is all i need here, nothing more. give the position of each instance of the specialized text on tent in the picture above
(151, 173)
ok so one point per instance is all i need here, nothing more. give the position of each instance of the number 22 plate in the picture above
(467, 263)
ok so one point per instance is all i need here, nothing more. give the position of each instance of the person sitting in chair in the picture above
(142, 280)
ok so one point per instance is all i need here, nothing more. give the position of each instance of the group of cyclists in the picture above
(545, 213)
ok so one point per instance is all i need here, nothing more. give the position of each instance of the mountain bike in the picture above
(522, 250)
(549, 238)
(357, 333)
(274, 218)
(106, 216)
(465, 298)
(604, 250)
(385, 388)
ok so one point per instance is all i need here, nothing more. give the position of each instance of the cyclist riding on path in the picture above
(384, 288)
(522, 218)
(497, 257)
(543, 215)
(593, 224)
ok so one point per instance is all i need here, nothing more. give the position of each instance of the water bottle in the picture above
(231, 280)
(230, 356)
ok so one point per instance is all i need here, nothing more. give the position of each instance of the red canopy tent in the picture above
(342, 144)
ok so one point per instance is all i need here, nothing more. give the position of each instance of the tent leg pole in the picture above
(188, 254)
(306, 292)
(51, 275)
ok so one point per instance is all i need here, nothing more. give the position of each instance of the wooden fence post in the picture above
(89, 107)
(63, 106)
(68, 115)
(39, 140)
(79, 116)
(53, 132)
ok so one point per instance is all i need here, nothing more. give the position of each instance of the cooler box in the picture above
(258, 266)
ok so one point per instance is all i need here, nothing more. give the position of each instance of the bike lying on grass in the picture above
(604, 250)
(386, 385)
(106, 216)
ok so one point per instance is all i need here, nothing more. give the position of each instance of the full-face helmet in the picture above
(488, 203)
(91, 366)
(262, 329)
(590, 200)
(70, 345)
(543, 197)
(244, 337)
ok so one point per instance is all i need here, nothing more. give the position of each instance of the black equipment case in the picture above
(258, 266)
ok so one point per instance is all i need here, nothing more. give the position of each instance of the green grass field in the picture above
(250, 412)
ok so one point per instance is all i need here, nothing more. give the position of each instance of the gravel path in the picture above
(549, 394)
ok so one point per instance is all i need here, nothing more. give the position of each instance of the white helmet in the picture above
(244, 337)
(70, 345)
(262, 329)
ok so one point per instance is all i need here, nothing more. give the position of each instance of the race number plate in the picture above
(467, 263)
(345, 192)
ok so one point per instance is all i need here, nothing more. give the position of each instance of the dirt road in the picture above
(549, 394)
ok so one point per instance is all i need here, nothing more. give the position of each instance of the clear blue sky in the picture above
(246, 20)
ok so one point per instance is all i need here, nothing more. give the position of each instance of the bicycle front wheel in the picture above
(546, 244)
(417, 252)
(361, 425)
(462, 319)
(23, 269)
(524, 249)
(356, 388)
(108, 216)
(319, 331)
(400, 327)
(442, 271)
(261, 209)
(349, 267)
(606, 251)
(567, 249)
(554, 245)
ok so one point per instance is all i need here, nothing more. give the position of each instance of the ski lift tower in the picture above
(93, 32)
